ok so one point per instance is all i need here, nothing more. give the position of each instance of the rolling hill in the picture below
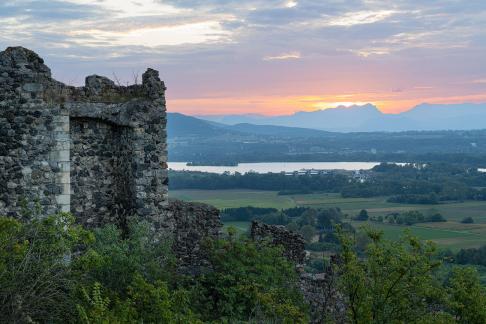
(180, 125)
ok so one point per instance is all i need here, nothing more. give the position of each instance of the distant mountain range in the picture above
(180, 125)
(213, 143)
(366, 118)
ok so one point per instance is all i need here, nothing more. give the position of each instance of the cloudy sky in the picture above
(265, 56)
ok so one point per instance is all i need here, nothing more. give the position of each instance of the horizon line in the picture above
(337, 107)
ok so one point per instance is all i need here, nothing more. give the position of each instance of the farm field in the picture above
(447, 235)
(453, 239)
(451, 234)
(235, 198)
(375, 205)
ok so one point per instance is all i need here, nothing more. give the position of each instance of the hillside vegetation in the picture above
(55, 271)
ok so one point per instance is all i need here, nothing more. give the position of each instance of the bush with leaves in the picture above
(362, 216)
(35, 278)
(133, 277)
(396, 282)
(467, 298)
(52, 270)
(144, 303)
(248, 282)
(472, 256)
(113, 259)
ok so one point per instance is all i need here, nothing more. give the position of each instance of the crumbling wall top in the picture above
(293, 243)
(21, 59)
(23, 72)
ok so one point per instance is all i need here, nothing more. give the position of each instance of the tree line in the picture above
(430, 183)
(309, 222)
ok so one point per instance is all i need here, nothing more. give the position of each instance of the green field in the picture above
(235, 198)
(451, 234)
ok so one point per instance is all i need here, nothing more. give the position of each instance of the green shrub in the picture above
(113, 260)
(397, 282)
(467, 298)
(249, 282)
(35, 278)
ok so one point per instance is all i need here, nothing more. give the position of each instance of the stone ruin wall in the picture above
(320, 291)
(98, 151)
(293, 244)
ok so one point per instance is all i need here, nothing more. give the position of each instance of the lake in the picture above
(275, 167)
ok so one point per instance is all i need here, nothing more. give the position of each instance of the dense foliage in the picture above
(250, 282)
(426, 199)
(362, 216)
(245, 214)
(421, 183)
(397, 282)
(467, 220)
(52, 270)
(35, 277)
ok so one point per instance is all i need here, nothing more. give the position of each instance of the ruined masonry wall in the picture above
(292, 243)
(101, 170)
(98, 151)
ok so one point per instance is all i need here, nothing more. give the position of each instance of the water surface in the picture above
(275, 167)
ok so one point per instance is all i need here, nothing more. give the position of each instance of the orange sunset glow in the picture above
(288, 105)
(266, 57)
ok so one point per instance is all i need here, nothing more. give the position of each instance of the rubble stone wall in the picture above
(102, 181)
(320, 291)
(98, 151)
(292, 243)
(194, 223)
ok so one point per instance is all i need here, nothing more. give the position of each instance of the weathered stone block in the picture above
(63, 199)
(63, 177)
(33, 87)
(64, 166)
